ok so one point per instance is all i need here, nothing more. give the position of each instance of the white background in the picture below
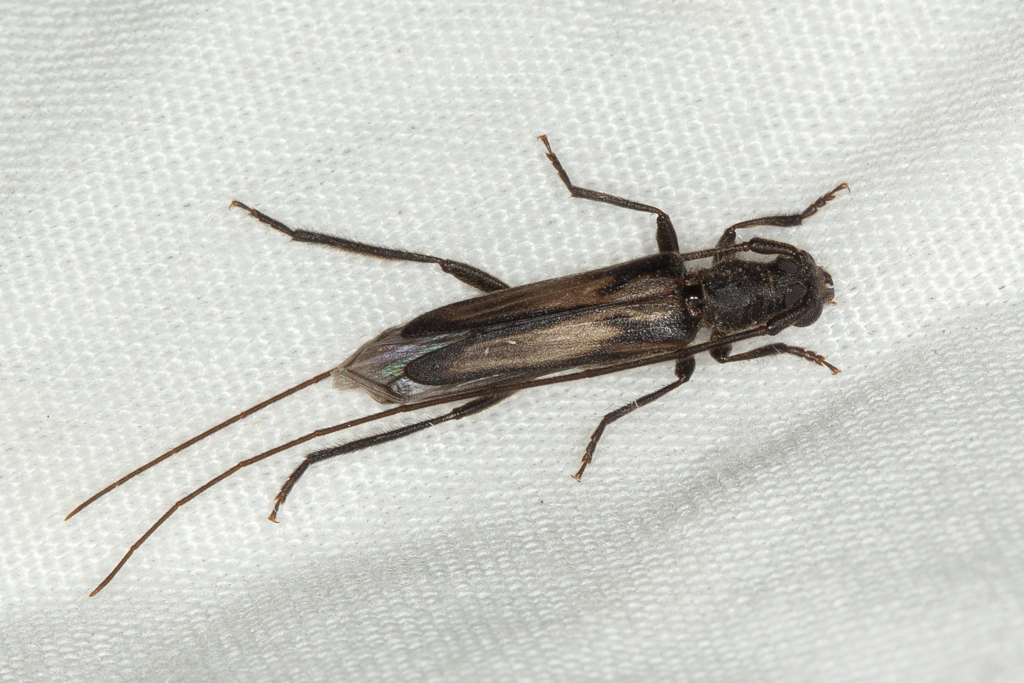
(766, 522)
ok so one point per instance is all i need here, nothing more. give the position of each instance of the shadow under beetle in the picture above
(483, 350)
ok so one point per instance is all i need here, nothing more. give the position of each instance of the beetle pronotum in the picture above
(484, 349)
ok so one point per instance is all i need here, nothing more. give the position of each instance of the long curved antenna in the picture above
(245, 463)
(194, 440)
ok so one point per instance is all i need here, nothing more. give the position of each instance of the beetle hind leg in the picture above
(666, 233)
(471, 275)
(465, 410)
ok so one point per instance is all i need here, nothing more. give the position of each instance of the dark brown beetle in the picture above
(484, 349)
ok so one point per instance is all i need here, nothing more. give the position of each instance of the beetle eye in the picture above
(795, 294)
(811, 317)
(787, 265)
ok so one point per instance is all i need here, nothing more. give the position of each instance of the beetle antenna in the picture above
(245, 463)
(196, 439)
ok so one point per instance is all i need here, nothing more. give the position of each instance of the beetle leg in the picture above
(684, 370)
(465, 410)
(728, 237)
(723, 354)
(666, 234)
(471, 275)
(758, 245)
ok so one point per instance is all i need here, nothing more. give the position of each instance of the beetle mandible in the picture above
(483, 350)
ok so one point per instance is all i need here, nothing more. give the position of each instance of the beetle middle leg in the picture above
(471, 275)
(684, 370)
(465, 410)
(666, 234)
(723, 354)
(728, 237)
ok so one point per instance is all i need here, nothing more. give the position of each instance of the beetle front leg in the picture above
(666, 233)
(684, 370)
(723, 354)
(728, 237)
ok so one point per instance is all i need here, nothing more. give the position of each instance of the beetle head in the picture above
(808, 283)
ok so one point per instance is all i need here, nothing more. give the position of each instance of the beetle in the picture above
(484, 349)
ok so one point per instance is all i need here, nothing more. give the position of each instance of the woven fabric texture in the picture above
(765, 522)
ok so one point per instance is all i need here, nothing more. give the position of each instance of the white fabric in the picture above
(765, 522)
